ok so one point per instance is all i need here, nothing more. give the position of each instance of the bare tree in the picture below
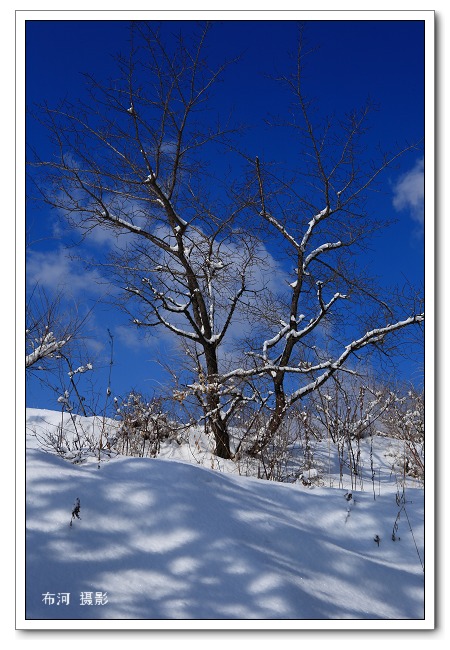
(130, 163)
(190, 248)
(318, 220)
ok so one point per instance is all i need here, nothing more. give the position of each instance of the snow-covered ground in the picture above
(187, 540)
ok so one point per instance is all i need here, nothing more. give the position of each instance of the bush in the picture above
(405, 421)
(143, 425)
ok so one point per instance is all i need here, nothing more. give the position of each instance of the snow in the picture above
(80, 370)
(285, 328)
(319, 250)
(185, 537)
(47, 346)
(122, 222)
(311, 225)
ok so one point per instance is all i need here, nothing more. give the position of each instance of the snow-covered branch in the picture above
(320, 216)
(368, 338)
(279, 226)
(319, 250)
(46, 348)
(170, 305)
(270, 343)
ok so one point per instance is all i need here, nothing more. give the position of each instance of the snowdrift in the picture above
(166, 539)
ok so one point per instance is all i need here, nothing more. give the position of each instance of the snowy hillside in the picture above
(172, 539)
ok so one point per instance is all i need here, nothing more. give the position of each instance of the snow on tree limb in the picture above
(275, 339)
(280, 228)
(319, 250)
(330, 366)
(311, 225)
(368, 338)
(47, 347)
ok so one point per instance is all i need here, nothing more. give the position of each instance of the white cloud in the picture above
(54, 271)
(409, 192)
(129, 336)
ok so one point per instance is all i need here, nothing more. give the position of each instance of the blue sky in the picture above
(352, 61)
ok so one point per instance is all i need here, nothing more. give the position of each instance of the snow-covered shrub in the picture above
(70, 436)
(143, 426)
(280, 458)
(405, 421)
(348, 410)
(289, 454)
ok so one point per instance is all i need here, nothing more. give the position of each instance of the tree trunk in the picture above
(274, 423)
(218, 426)
(221, 437)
